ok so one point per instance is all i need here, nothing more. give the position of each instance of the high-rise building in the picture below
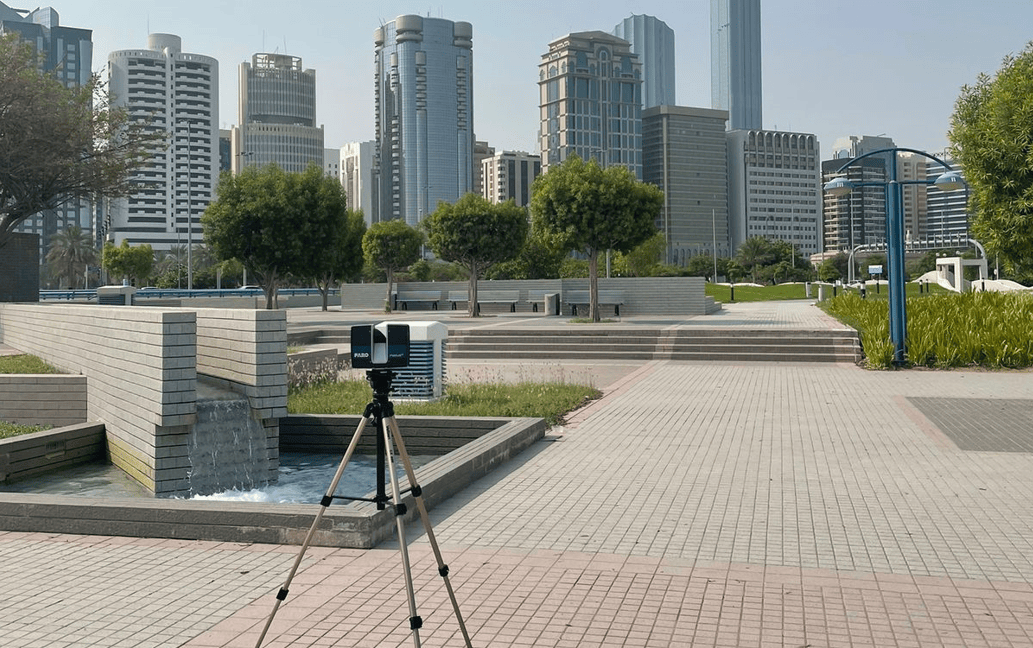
(859, 217)
(357, 177)
(276, 113)
(684, 152)
(174, 93)
(67, 53)
(481, 152)
(735, 62)
(653, 41)
(947, 215)
(774, 188)
(509, 175)
(424, 115)
(590, 101)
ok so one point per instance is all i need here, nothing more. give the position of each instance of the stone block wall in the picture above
(43, 399)
(142, 366)
(642, 295)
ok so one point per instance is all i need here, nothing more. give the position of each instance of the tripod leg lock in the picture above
(326, 501)
(282, 594)
(443, 571)
(416, 490)
(401, 509)
(415, 623)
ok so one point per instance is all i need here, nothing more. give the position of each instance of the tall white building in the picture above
(175, 93)
(735, 62)
(774, 188)
(276, 114)
(509, 175)
(357, 177)
(653, 41)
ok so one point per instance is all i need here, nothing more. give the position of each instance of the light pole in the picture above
(190, 216)
(948, 181)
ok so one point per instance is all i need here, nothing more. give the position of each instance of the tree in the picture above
(538, 259)
(125, 261)
(476, 234)
(391, 246)
(647, 255)
(338, 254)
(991, 131)
(271, 221)
(754, 252)
(58, 144)
(589, 210)
(71, 252)
(701, 265)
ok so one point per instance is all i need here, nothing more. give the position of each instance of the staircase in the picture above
(734, 345)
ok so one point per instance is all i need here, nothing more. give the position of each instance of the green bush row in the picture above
(986, 329)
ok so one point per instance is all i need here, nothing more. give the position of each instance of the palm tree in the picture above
(71, 251)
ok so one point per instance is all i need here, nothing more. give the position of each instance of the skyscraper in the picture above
(774, 188)
(66, 52)
(684, 152)
(424, 116)
(357, 177)
(277, 115)
(590, 101)
(176, 93)
(735, 70)
(653, 41)
(508, 175)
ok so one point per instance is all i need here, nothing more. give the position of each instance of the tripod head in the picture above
(380, 381)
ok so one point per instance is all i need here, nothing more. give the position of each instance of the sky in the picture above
(831, 68)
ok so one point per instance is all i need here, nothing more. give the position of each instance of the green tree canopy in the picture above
(991, 135)
(132, 262)
(272, 222)
(71, 251)
(56, 143)
(589, 210)
(391, 246)
(476, 234)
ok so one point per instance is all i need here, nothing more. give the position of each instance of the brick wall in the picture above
(56, 400)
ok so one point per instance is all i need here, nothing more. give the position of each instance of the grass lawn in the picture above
(549, 401)
(25, 364)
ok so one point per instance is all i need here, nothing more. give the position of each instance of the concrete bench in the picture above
(613, 298)
(510, 297)
(407, 297)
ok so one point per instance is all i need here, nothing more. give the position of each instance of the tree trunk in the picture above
(593, 285)
(471, 305)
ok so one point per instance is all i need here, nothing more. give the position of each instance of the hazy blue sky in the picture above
(832, 68)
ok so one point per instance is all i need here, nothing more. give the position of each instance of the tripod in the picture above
(382, 413)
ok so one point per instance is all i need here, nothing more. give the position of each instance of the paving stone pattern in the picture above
(995, 425)
(697, 504)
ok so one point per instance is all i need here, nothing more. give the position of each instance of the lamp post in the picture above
(948, 181)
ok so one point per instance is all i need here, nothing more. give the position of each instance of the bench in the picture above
(510, 297)
(613, 298)
(405, 298)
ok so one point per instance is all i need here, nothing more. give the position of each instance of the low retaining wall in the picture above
(642, 295)
(43, 399)
(37, 453)
(423, 435)
(356, 525)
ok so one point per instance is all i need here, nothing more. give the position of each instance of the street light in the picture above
(949, 181)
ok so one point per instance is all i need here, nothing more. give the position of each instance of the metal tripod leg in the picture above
(327, 498)
(415, 622)
(417, 492)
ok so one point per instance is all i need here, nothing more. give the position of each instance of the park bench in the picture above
(510, 297)
(407, 297)
(613, 298)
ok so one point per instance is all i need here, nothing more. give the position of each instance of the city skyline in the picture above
(806, 44)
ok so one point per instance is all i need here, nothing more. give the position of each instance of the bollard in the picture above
(732, 287)
(864, 292)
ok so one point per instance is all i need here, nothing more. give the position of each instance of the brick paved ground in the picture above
(696, 505)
